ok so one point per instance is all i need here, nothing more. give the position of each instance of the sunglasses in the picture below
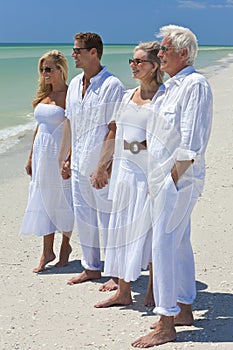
(77, 50)
(136, 61)
(165, 48)
(46, 70)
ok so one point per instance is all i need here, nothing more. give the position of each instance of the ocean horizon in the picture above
(19, 78)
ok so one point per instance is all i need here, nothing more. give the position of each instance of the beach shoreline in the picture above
(40, 311)
(16, 113)
(14, 160)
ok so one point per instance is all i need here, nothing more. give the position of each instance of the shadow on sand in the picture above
(214, 311)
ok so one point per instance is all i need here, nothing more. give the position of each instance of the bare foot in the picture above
(65, 252)
(115, 300)
(155, 338)
(86, 275)
(164, 333)
(44, 260)
(149, 298)
(109, 285)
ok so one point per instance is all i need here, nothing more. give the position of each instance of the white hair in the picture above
(181, 38)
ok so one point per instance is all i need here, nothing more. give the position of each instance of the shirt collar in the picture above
(180, 76)
(99, 75)
(160, 91)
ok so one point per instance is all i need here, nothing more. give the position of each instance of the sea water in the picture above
(19, 79)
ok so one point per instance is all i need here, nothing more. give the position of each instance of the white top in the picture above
(134, 118)
(131, 121)
(179, 129)
(90, 116)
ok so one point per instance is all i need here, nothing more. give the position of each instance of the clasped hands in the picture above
(99, 179)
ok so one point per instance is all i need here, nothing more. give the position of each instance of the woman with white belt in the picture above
(129, 238)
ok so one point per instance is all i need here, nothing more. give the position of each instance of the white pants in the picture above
(172, 255)
(92, 211)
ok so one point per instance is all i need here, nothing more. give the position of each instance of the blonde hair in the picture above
(60, 63)
(152, 49)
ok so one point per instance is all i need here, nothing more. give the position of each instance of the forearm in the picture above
(106, 156)
(99, 178)
(28, 166)
(179, 169)
(65, 148)
(108, 149)
(34, 136)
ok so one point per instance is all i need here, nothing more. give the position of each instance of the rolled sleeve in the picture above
(195, 121)
(185, 154)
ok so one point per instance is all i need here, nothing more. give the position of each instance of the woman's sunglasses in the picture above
(136, 61)
(46, 70)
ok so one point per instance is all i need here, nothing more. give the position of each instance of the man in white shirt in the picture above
(177, 137)
(91, 101)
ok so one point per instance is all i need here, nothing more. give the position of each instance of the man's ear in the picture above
(93, 51)
(184, 54)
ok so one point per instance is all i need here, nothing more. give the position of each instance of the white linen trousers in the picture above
(172, 255)
(90, 220)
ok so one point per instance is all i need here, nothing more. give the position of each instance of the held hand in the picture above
(28, 167)
(65, 170)
(99, 179)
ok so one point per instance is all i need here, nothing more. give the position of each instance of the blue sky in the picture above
(117, 21)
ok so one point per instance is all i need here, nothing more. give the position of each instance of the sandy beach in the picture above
(40, 311)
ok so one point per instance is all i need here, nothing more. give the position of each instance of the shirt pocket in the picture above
(166, 130)
(169, 113)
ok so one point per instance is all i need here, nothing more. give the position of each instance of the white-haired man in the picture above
(177, 137)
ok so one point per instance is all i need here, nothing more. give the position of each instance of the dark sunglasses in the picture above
(165, 48)
(136, 61)
(46, 70)
(77, 50)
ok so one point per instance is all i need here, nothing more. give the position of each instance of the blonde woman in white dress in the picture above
(129, 239)
(49, 206)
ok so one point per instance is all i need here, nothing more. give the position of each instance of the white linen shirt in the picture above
(89, 117)
(179, 129)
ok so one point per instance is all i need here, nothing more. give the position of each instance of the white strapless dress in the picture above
(49, 206)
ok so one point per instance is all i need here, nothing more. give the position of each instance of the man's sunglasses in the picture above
(165, 48)
(77, 50)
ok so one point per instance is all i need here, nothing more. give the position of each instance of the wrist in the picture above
(101, 168)
(174, 176)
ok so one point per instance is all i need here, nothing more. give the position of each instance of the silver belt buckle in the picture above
(134, 147)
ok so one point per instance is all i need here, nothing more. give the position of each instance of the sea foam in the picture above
(9, 137)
